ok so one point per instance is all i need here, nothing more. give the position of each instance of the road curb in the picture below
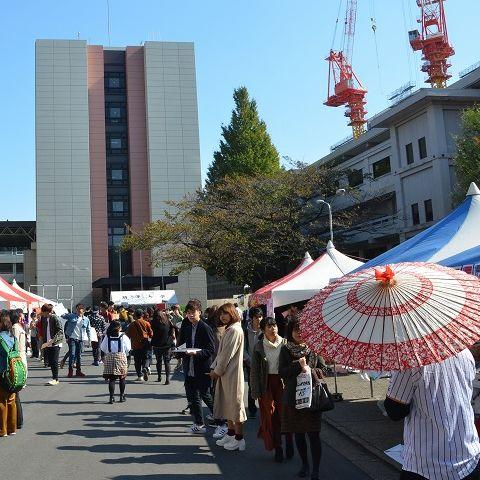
(361, 442)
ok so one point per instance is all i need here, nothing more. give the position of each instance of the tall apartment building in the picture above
(403, 166)
(116, 137)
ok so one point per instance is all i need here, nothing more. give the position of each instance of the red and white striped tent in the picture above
(302, 284)
(8, 296)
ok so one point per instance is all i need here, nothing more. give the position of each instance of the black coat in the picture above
(205, 342)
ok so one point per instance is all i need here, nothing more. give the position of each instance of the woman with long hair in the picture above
(295, 356)
(163, 340)
(8, 408)
(228, 373)
(116, 347)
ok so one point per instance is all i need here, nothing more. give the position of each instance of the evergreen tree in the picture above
(246, 147)
(467, 159)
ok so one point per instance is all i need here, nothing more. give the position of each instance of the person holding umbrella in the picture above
(416, 320)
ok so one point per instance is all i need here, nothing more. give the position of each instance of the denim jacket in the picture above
(71, 322)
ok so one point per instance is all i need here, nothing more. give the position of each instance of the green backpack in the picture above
(13, 379)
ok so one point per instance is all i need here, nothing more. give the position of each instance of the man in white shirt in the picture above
(441, 441)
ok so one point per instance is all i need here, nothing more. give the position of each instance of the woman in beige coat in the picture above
(228, 371)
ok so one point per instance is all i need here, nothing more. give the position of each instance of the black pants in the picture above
(196, 392)
(96, 352)
(141, 357)
(252, 407)
(162, 356)
(34, 343)
(19, 411)
(475, 475)
(51, 354)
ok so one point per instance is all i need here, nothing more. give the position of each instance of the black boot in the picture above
(122, 398)
(278, 454)
(159, 379)
(112, 399)
(289, 451)
(303, 472)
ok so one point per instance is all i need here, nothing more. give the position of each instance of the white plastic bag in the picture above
(303, 392)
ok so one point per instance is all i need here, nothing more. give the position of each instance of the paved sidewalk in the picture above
(360, 419)
(71, 432)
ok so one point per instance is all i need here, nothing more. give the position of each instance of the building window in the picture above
(116, 174)
(115, 112)
(422, 147)
(6, 268)
(115, 143)
(19, 267)
(409, 153)
(382, 167)
(415, 214)
(355, 178)
(117, 206)
(428, 210)
(114, 82)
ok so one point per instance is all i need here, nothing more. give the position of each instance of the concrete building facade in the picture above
(116, 138)
(402, 167)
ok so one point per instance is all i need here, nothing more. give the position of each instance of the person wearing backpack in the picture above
(8, 407)
(116, 347)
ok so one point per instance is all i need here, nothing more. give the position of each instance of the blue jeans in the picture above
(76, 348)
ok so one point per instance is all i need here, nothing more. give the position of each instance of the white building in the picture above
(404, 163)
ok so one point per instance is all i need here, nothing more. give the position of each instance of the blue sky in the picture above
(276, 48)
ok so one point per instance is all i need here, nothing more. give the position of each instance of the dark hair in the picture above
(47, 308)
(80, 305)
(138, 313)
(264, 322)
(292, 325)
(110, 304)
(193, 305)
(14, 317)
(212, 316)
(235, 304)
(103, 304)
(229, 309)
(114, 328)
(255, 311)
(176, 307)
(160, 316)
(33, 314)
(5, 323)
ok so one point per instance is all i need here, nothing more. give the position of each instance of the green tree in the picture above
(467, 159)
(246, 147)
(249, 229)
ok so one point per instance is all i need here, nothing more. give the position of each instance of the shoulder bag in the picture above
(321, 398)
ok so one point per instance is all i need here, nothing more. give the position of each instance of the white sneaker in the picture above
(224, 440)
(220, 431)
(196, 429)
(235, 445)
(52, 382)
(139, 379)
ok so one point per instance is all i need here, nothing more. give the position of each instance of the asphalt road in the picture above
(71, 433)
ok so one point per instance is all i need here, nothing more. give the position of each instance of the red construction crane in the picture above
(347, 89)
(433, 42)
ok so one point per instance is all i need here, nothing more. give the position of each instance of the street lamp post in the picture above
(330, 219)
(120, 268)
(141, 270)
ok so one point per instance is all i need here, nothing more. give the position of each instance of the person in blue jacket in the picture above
(77, 328)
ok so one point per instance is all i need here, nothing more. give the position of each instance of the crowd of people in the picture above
(220, 350)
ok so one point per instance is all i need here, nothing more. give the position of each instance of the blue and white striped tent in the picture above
(454, 241)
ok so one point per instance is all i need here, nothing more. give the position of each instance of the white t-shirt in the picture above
(441, 442)
(125, 344)
(77, 331)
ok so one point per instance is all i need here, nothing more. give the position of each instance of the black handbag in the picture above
(321, 397)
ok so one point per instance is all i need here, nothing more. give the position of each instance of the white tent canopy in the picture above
(309, 281)
(144, 297)
(306, 280)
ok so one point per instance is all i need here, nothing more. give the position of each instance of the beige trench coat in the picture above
(230, 386)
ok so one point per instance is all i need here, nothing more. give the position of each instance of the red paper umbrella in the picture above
(394, 318)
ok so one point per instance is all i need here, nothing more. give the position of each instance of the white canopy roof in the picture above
(310, 280)
(144, 297)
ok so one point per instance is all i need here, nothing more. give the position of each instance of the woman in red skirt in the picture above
(267, 386)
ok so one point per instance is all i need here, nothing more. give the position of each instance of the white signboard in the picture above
(144, 297)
